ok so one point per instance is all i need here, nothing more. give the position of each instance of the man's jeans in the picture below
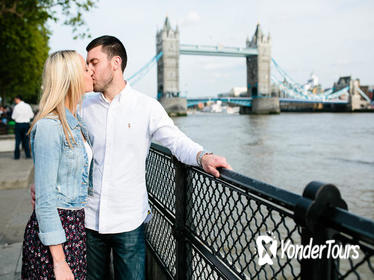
(128, 254)
(20, 130)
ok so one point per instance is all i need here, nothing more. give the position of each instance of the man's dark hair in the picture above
(19, 97)
(111, 46)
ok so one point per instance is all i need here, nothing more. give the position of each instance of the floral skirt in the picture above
(37, 262)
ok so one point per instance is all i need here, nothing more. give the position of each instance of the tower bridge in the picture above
(257, 54)
(262, 70)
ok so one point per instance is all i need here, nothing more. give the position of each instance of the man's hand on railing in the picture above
(32, 193)
(210, 163)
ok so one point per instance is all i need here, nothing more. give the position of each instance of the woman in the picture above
(54, 244)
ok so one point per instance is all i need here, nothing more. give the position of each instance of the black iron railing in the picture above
(207, 228)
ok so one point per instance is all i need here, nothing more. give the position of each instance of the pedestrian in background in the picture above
(22, 114)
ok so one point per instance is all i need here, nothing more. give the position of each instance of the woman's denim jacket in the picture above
(61, 173)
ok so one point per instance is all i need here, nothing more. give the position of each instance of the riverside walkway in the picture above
(15, 209)
(207, 228)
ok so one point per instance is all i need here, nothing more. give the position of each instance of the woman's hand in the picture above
(60, 266)
(32, 193)
(62, 271)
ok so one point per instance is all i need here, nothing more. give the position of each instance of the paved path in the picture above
(15, 210)
(10, 261)
(7, 143)
(14, 173)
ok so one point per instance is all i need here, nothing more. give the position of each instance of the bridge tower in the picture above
(258, 75)
(167, 42)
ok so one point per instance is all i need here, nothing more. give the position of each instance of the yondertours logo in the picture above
(267, 248)
(265, 255)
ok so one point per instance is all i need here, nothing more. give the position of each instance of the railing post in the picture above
(320, 198)
(180, 218)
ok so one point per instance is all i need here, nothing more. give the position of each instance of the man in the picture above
(22, 114)
(122, 122)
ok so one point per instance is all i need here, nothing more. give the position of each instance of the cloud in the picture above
(221, 75)
(346, 62)
(222, 65)
(191, 18)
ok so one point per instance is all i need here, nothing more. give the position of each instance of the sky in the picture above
(330, 38)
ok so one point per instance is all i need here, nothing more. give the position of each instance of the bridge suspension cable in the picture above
(138, 75)
(295, 90)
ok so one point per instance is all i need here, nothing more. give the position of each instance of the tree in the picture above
(23, 50)
(24, 41)
(41, 10)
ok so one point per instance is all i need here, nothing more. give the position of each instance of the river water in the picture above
(291, 149)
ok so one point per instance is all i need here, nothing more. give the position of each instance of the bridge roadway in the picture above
(247, 101)
(219, 50)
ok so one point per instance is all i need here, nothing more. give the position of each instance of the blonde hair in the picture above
(62, 83)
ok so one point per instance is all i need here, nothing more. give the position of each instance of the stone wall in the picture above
(268, 105)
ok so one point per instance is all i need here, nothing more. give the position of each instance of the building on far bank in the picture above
(369, 91)
(345, 82)
(234, 92)
(341, 83)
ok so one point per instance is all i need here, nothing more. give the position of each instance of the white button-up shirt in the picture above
(121, 132)
(22, 113)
